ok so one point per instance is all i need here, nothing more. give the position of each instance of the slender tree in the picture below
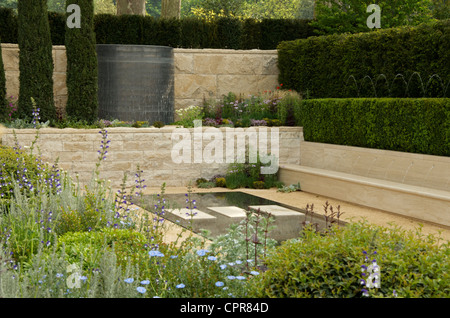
(82, 69)
(35, 60)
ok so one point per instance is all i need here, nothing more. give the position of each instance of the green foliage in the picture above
(397, 62)
(35, 59)
(244, 175)
(8, 25)
(247, 240)
(158, 124)
(419, 125)
(288, 189)
(82, 67)
(22, 168)
(189, 32)
(3, 102)
(350, 15)
(128, 246)
(188, 115)
(329, 266)
(221, 182)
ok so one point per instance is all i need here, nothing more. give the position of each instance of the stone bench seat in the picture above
(421, 203)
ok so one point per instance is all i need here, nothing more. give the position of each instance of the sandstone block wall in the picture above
(210, 74)
(199, 74)
(151, 148)
(10, 55)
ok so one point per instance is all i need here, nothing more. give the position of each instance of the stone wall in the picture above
(151, 148)
(10, 55)
(210, 74)
(199, 74)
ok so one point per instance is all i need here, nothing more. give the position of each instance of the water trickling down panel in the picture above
(136, 82)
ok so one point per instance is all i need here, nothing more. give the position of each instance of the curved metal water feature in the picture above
(399, 80)
(136, 82)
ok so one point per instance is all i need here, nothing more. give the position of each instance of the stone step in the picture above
(195, 218)
(229, 211)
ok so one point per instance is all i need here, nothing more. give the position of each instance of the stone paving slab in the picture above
(185, 214)
(229, 211)
(276, 210)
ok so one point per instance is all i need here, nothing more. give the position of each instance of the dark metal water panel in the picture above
(136, 82)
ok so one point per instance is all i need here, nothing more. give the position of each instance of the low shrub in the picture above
(29, 172)
(128, 246)
(317, 265)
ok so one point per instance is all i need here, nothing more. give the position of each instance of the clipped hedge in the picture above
(330, 266)
(397, 62)
(420, 125)
(190, 32)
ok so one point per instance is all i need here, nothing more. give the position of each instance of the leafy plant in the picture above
(318, 265)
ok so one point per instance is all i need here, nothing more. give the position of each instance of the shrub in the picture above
(244, 175)
(351, 65)
(128, 246)
(410, 125)
(317, 265)
(35, 59)
(82, 86)
(158, 124)
(188, 114)
(259, 185)
(221, 182)
(20, 167)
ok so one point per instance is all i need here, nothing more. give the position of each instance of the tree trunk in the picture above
(170, 9)
(136, 7)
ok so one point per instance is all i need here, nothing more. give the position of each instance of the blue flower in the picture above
(254, 273)
(129, 280)
(212, 258)
(180, 286)
(202, 252)
(223, 266)
(240, 277)
(219, 284)
(145, 282)
(59, 275)
(231, 277)
(155, 253)
(141, 289)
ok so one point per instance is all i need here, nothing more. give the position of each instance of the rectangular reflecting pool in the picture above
(216, 211)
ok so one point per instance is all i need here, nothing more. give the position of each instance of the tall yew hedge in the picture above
(82, 70)
(35, 60)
